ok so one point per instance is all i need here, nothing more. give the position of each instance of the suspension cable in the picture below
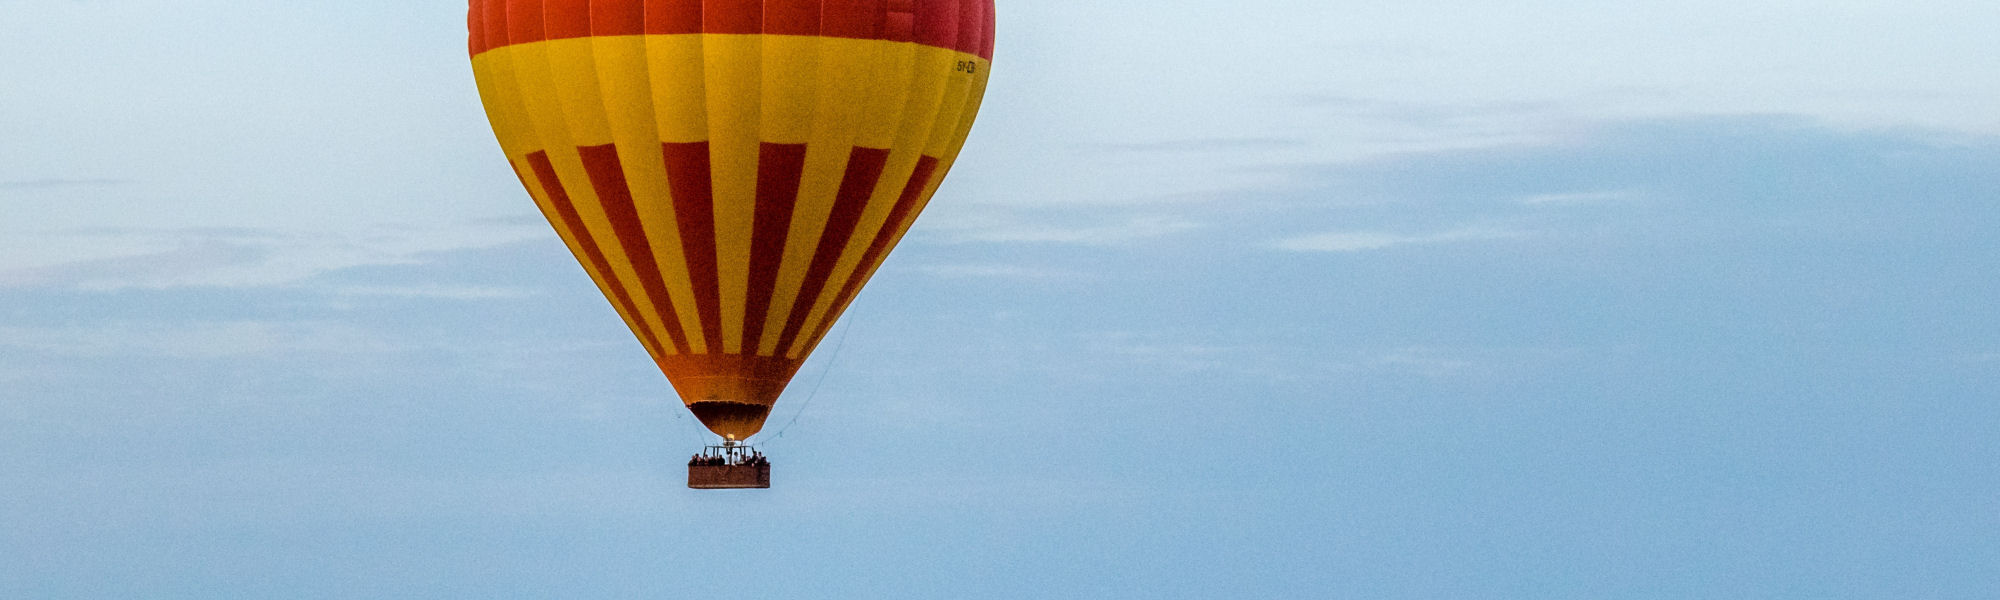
(831, 359)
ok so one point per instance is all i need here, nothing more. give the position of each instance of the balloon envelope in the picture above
(730, 172)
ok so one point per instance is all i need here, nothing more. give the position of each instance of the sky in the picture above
(1257, 299)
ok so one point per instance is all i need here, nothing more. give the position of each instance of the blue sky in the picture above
(1248, 299)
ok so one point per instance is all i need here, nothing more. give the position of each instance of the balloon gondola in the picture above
(731, 172)
(729, 466)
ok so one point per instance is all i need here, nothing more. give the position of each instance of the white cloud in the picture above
(190, 260)
(1359, 241)
(1438, 362)
(210, 340)
(1576, 198)
(1200, 145)
(272, 490)
(119, 258)
(1007, 229)
(1982, 359)
(993, 271)
(435, 292)
(1181, 352)
(1428, 362)
(36, 184)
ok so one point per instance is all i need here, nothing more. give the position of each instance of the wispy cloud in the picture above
(212, 340)
(435, 292)
(994, 271)
(1577, 198)
(1447, 362)
(117, 258)
(1001, 229)
(1985, 358)
(1274, 360)
(36, 184)
(1178, 356)
(1188, 352)
(1201, 145)
(1426, 112)
(1361, 241)
(153, 269)
(1373, 127)
(1427, 362)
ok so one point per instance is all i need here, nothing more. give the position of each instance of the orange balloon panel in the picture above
(730, 172)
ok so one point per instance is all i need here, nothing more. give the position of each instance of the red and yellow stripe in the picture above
(731, 172)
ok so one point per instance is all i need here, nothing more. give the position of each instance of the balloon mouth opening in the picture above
(734, 421)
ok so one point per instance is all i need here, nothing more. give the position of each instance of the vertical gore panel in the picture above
(884, 239)
(669, 17)
(694, 211)
(678, 81)
(779, 167)
(971, 22)
(496, 22)
(732, 16)
(522, 177)
(733, 78)
(617, 17)
(859, 19)
(524, 21)
(789, 72)
(888, 84)
(559, 200)
(566, 19)
(500, 94)
(986, 51)
(475, 27)
(937, 23)
(864, 167)
(607, 176)
(899, 23)
(625, 74)
(791, 17)
(574, 80)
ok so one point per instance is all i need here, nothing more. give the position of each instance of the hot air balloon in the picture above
(731, 172)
